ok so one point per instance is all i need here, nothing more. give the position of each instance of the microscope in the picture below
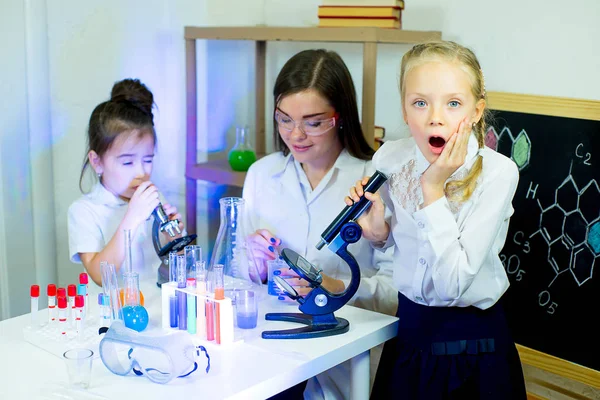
(163, 224)
(319, 304)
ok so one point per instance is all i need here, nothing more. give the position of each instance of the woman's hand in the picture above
(302, 287)
(142, 203)
(263, 246)
(372, 221)
(452, 157)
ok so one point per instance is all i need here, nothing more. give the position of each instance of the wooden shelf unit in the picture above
(219, 171)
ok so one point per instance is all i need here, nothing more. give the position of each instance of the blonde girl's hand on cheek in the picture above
(452, 157)
(372, 221)
(263, 245)
(144, 200)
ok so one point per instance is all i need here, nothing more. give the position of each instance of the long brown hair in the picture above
(129, 110)
(325, 72)
(458, 190)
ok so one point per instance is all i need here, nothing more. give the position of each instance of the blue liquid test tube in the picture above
(181, 296)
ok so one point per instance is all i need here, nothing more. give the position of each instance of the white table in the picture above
(255, 368)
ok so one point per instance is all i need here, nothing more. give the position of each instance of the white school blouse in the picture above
(93, 220)
(279, 198)
(447, 254)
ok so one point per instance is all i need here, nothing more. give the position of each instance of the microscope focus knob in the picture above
(321, 300)
(351, 232)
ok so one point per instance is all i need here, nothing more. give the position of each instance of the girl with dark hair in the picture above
(293, 194)
(121, 143)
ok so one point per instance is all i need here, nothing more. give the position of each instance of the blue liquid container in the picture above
(247, 321)
(173, 311)
(135, 317)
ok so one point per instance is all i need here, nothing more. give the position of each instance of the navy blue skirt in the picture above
(449, 353)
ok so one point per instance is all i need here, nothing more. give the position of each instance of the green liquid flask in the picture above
(241, 156)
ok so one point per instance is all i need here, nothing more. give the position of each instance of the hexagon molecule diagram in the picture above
(571, 228)
(519, 148)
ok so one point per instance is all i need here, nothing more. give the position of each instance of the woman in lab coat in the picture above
(293, 194)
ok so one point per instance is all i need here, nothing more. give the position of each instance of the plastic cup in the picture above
(246, 309)
(79, 367)
(272, 266)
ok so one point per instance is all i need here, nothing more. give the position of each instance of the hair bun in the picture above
(134, 92)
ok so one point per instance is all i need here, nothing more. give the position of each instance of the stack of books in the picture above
(363, 13)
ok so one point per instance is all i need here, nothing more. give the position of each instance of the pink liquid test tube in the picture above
(62, 316)
(51, 292)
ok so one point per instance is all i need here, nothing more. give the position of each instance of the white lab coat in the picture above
(279, 198)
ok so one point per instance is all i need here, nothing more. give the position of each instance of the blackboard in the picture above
(552, 251)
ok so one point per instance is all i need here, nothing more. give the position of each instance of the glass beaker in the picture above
(241, 156)
(231, 248)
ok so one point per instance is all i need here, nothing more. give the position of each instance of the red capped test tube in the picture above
(51, 292)
(62, 316)
(71, 312)
(79, 314)
(34, 292)
(84, 280)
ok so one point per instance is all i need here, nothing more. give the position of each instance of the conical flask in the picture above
(231, 248)
(241, 156)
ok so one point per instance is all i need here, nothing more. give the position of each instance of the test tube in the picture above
(34, 292)
(51, 292)
(209, 309)
(219, 295)
(105, 311)
(71, 293)
(111, 289)
(82, 290)
(62, 316)
(193, 254)
(84, 280)
(181, 296)
(79, 302)
(191, 306)
(173, 296)
(128, 264)
(201, 308)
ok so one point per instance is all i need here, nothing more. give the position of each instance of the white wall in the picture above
(27, 231)
(545, 47)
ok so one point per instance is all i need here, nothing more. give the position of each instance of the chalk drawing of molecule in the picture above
(571, 228)
(518, 147)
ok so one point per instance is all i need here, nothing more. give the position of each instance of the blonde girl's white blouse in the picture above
(447, 253)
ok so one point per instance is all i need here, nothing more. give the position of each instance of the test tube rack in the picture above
(223, 330)
(49, 337)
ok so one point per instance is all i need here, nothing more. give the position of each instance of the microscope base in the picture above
(318, 326)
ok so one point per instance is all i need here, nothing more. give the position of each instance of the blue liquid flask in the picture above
(135, 316)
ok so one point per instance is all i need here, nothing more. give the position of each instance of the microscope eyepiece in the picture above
(351, 213)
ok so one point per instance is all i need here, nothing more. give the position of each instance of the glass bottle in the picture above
(241, 156)
(231, 248)
(135, 316)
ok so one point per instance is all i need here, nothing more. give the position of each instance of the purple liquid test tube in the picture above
(173, 311)
(181, 296)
